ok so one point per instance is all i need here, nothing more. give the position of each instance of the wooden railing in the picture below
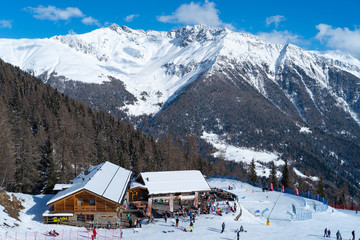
(85, 208)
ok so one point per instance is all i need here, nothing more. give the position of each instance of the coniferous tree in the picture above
(285, 179)
(252, 172)
(273, 178)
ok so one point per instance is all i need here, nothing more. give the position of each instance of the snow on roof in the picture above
(135, 184)
(106, 179)
(48, 214)
(174, 181)
(59, 187)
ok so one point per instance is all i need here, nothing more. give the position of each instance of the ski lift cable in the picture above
(274, 205)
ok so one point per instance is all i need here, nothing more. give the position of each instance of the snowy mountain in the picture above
(296, 104)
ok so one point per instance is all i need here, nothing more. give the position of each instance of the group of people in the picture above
(327, 233)
(53, 233)
(241, 229)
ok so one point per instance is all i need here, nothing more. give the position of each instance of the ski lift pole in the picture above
(268, 218)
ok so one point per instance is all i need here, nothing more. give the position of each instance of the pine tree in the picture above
(273, 178)
(285, 179)
(252, 172)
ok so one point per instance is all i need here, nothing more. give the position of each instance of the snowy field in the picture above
(206, 226)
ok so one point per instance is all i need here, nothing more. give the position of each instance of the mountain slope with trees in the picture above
(47, 138)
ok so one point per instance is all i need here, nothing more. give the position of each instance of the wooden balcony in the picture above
(85, 208)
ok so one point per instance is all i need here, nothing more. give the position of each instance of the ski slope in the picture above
(206, 226)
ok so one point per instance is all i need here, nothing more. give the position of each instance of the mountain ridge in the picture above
(198, 80)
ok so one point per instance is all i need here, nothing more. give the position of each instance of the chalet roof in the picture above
(174, 182)
(59, 187)
(106, 179)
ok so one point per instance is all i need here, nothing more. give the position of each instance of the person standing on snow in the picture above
(353, 235)
(177, 222)
(191, 226)
(325, 232)
(94, 233)
(165, 217)
(191, 216)
(238, 235)
(329, 233)
(223, 227)
(338, 235)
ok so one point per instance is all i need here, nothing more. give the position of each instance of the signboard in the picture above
(59, 219)
(196, 201)
(149, 207)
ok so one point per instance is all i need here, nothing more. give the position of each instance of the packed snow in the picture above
(253, 202)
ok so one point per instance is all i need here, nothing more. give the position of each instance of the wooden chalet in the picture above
(94, 196)
(167, 186)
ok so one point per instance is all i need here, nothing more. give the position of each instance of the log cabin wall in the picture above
(84, 201)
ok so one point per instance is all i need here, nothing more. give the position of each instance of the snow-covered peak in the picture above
(158, 64)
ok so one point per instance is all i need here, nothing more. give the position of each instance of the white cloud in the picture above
(275, 20)
(131, 17)
(280, 37)
(5, 24)
(54, 14)
(340, 38)
(195, 13)
(90, 21)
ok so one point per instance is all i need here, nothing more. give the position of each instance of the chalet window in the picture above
(92, 202)
(81, 218)
(90, 218)
(80, 202)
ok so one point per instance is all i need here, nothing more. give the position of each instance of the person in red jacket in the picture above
(94, 233)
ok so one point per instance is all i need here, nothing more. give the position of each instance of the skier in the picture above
(238, 235)
(177, 222)
(338, 235)
(325, 232)
(223, 227)
(191, 216)
(353, 235)
(140, 222)
(191, 226)
(241, 228)
(329, 233)
(165, 217)
(130, 222)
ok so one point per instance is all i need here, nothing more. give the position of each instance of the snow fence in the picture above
(71, 234)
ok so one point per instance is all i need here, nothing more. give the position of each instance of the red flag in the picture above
(282, 188)
(271, 187)
(297, 191)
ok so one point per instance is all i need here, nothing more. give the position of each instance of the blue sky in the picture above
(313, 25)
